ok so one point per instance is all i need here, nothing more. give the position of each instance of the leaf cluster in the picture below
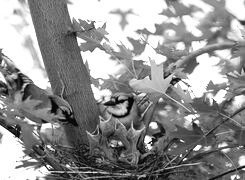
(195, 129)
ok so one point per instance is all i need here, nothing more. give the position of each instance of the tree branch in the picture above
(206, 49)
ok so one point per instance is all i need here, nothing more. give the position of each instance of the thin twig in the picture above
(206, 153)
(233, 120)
(106, 177)
(172, 160)
(93, 172)
(227, 172)
(188, 152)
(233, 164)
(177, 102)
(225, 120)
(178, 166)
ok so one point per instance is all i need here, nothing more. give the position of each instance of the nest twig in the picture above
(78, 164)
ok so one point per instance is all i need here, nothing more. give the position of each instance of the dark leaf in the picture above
(190, 66)
(168, 117)
(184, 95)
(211, 86)
(124, 53)
(214, 88)
(138, 67)
(240, 52)
(86, 25)
(190, 138)
(138, 45)
(90, 46)
(226, 66)
(91, 35)
(237, 83)
(144, 32)
(216, 3)
(1, 135)
(181, 33)
(177, 9)
(203, 106)
(170, 52)
(116, 84)
(28, 164)
(160, 28)
(238, 132)
(123, 15)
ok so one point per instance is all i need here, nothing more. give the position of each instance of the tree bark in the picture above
(64, 64)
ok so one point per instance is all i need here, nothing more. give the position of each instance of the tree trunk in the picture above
(64, 64)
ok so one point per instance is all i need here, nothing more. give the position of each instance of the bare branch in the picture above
(206, 49)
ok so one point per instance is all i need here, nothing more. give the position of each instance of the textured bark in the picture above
(63, 63)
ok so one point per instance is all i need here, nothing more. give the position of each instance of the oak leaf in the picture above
(157, 84)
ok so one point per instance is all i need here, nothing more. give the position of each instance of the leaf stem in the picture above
(177, 102)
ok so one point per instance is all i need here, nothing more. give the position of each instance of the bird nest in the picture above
(67, 163)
